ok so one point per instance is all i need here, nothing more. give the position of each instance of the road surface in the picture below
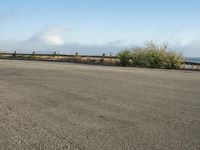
(47, 105)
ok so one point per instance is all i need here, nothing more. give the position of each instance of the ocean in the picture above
(193, 59)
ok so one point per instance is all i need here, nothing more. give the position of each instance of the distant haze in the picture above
(98, 26)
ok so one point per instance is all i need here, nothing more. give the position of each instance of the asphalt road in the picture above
(46, 105)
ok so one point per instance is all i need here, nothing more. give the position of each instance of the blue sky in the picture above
(97, 26)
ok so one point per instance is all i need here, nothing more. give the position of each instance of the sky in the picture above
(98, 26)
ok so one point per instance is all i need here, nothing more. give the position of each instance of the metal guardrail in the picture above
(62, 55)
(192, 63)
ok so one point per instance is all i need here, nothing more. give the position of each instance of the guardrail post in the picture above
(14, 54)
(54, 54)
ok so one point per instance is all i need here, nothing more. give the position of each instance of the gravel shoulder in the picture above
(47, 105)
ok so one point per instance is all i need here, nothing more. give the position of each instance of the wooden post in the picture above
(76, 54)
(33, 52)
(104, 54)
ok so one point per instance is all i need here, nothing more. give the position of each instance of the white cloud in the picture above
(52, 36)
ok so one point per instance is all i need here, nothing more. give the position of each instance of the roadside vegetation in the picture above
(125, 57)
(151, 55)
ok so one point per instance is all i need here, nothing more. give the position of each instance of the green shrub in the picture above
(151, 55)
(124, 57)
(173, 60)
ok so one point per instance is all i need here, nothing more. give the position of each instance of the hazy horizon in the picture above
(98, 26)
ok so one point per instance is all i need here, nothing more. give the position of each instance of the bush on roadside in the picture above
(124, 57)
(173, 60)
(151, 55)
